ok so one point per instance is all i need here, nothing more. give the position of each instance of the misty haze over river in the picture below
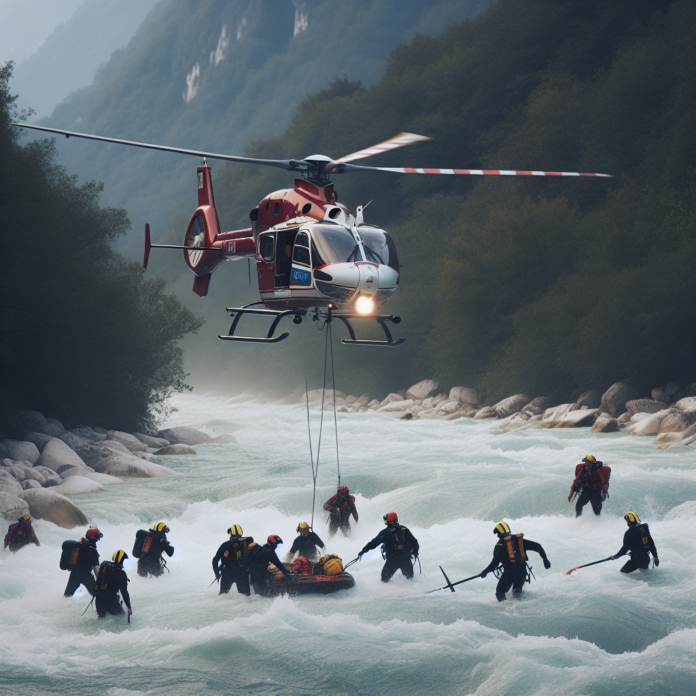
(594, 632)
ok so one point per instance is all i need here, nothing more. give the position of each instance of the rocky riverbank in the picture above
(50, 463)
(668, 414)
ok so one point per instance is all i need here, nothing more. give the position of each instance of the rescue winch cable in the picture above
(333, 387)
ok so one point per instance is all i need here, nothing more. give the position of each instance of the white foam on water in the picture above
(593, 632)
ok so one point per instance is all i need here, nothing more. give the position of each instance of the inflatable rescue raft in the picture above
(310, 578)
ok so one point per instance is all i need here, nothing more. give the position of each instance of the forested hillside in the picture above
(543, 286)
(84, 337)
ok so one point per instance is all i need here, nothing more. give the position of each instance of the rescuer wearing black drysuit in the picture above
(111, 580)
(87, 563)
(259, 559)
(20, 534)
(307, 544)
(591, 483)
(398, 544)
(231, 565)
(638, 542)
(511, 552)
(150, 561)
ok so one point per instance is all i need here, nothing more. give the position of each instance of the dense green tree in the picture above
(84, 337)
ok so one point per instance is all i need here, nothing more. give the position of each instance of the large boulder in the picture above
(672, 388)
(686, 404)
(583, 418)
(553, 415)
(485, 412)
(183, 435)
(53, 507)
(92, 453)
(31, 419)
(73, 441)
(176, 449)
(465, 395)
(150, 441)
(673, 423)
(78, 485)
(422, 390)
(513, 404)
(56, 454)
(660, 395)
(614, 399)
(88, 433)
(396, 406)
(645, 406)
(447, 408)
(605, 424)
(104, 479)
(30, 483)
(130, 468)
(374, 405)
(391, 398)
(39, 439)
(130, 442)
(12, 507)
(55, 422)
(23, 451)
(8, 483)
(645, 426)
(46, 472)
(539, 405)
(48, 429)
(591, 399)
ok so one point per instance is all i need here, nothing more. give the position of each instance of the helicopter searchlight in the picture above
(313, 258)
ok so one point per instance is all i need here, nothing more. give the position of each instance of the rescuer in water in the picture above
(20, 534)
(591, 484)
(231, 565)
(307, 544)
(112, 579)
(260, 557)
(340, 507)
(86, 563)
(398, 545)
(638, 542)
(148, 549)
(511, 552)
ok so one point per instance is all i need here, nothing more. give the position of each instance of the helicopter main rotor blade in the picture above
(397, 141)
(341, 168)
(290, 165)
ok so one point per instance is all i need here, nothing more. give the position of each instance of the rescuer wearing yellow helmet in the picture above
(231, 562)
(111, 580)
(639, 543)
(20, 534)
(307, 544)
(148, 549)
(511, 553)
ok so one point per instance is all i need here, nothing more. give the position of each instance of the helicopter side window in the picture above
(334, 244)
(378, 243)
(266, 244)
(301, 252)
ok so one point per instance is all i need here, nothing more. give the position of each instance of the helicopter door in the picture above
(283, 259)
(265, 262)
(301, 275)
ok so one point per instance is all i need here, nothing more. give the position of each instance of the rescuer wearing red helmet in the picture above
(83, 562)
(340, 507)
(398, 545)
(259, 559)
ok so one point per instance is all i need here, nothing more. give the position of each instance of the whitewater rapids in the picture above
(594, 632)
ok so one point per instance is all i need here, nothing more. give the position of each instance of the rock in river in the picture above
(54, 507)
(614, 399)
(422, 390)
(56, 454)
(12, 507)
(513, 404)
(176, 449)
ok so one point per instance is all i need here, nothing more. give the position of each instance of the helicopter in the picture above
(313, 256)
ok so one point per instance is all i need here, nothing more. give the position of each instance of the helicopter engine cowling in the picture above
(202, 232)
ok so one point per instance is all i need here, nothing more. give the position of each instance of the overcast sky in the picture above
(25, 24)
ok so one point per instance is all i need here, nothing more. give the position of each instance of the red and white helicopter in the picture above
(313, 257)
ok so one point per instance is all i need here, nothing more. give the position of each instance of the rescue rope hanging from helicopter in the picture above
(328, 352)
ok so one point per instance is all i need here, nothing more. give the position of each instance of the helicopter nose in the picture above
(368, 283)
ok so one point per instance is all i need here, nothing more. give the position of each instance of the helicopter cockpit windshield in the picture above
(333, 245)
(379, 244)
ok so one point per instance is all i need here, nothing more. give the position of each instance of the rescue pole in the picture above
(355, 560)
(604, 560)
(212, 583)
(450, 585)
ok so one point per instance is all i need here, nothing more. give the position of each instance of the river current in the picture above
(594, 632)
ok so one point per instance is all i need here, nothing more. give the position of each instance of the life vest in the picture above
(640, 539)
(70, 554)
(397, 541)
(596, 479)
(331, 565)
(514, 545)
(302, 566)
(18, 532)
(240, 552)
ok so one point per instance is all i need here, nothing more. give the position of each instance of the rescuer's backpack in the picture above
(70, 552)
(143, 542)
(105, 576)
(515, 548)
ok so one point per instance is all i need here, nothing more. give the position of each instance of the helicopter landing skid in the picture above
(297, 314)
